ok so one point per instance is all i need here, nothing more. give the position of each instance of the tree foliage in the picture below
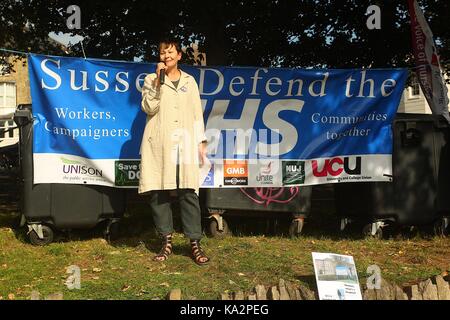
(281, 33)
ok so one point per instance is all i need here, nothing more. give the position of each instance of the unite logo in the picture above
(335, 167)
(265, 175)
(266, 169)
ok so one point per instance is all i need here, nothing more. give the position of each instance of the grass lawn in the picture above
(124, 269)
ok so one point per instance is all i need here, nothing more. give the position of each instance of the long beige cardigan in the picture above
(174, 127)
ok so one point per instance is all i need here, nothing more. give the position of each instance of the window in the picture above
(414, 89)
(7, 98)
(5, 129)
(7, 108)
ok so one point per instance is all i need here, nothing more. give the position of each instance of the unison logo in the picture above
(77, 167)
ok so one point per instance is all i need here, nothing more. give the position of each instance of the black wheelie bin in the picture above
(257, 202)
(49, 207)
(418, 194)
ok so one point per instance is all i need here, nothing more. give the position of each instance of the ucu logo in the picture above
(335, 167)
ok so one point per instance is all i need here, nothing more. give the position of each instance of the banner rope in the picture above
(100, 59)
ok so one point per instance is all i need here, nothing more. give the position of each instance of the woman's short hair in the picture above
(167, 43)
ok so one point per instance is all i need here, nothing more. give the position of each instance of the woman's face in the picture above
(170, 56)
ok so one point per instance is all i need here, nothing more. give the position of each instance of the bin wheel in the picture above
(47, 232)
(214, 229)
(367, 232)
(439, 228)
(112, 231)
(296, 227)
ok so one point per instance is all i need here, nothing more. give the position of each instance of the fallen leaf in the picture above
(165, 284)
(241, 274)
(5, 265)
(114, 252)
(1, 297)
(97, 270)
(95, 278)
(125, 287)
(231, 282)
(11, 296)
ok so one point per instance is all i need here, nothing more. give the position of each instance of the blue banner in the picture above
(87, 113)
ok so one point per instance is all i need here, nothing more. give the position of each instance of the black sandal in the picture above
(197, 253)
(166, 249)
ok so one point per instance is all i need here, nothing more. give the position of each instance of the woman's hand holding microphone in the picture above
(160, 73)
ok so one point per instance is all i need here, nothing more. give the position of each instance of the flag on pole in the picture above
(427, 62)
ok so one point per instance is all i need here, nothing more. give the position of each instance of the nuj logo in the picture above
(335, 167)
(292, 168)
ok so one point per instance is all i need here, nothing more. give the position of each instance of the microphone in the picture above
(162, 76)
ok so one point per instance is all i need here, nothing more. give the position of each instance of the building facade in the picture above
(413, 99)
(14, 90)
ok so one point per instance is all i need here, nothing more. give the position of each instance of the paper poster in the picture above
(336, 277)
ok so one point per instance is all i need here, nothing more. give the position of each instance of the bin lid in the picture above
(23, 114)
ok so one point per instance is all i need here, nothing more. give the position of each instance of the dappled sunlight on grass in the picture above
(124, 268)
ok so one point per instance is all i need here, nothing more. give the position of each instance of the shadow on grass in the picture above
(9, 213)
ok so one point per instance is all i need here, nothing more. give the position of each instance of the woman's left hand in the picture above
(202, 153)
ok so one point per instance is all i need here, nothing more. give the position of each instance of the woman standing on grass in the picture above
(173, 146)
